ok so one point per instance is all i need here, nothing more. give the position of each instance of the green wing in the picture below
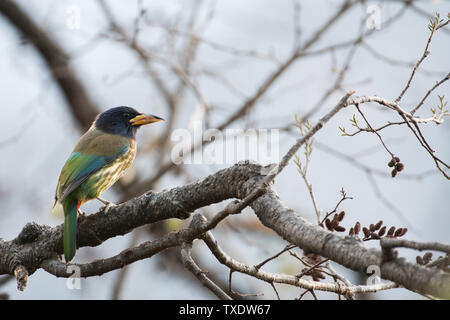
(90, 155)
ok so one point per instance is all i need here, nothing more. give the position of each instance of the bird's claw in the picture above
(105, 202)
(107, 205)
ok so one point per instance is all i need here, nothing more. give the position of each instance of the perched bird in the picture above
(101, 156)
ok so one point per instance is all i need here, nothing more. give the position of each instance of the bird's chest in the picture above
(108, 175)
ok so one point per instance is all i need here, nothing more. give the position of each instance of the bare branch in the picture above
(434, 26)
(271, 278)
(395, 243)
(190, 264)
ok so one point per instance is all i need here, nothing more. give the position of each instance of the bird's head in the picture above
(123, 121)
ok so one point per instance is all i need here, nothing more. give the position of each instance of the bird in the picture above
(98, 160)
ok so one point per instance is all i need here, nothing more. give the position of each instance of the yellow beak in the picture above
(143, 119)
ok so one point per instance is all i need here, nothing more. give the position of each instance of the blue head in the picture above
(123, 121)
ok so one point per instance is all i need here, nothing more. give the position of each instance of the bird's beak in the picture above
(143, 119)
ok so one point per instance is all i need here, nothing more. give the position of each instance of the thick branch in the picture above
(35, 243)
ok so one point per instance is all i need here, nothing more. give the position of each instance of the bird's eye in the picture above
(126, 115)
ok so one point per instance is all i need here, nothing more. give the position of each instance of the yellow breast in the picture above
(108, 175)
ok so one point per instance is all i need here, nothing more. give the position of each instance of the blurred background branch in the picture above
(78, 100)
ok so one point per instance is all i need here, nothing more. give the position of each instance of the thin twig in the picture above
(395, 243)
(426, 52)
(370, 127)
(287, 248)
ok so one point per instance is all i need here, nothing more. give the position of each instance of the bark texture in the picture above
(36, 244)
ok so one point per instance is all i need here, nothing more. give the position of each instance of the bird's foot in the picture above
(106, 203)
(81, 213)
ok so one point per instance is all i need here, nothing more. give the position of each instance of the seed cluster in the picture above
(397, 165)
(377, 231)
(333, 225)
(425, 259)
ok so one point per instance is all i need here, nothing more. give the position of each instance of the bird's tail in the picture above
(70, 228)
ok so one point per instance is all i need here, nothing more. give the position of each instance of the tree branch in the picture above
(190, 264)
(39, 246)
(36, 244)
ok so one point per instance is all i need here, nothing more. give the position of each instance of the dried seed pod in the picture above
(315, 258)
(357, 227)
(341, 215)
(399, 232)
(378, 224)
(419, 260)
(382, 231)
(391, 231)
(328, 224)
(339, 228)
(391, 163)
(404, 231)
(334, 223)
(394, 173)
(317, 275)
(372, 227)
(375, 236)
(427, 257)
(366, 232)
(351, 232)
(397, 159)
(399, 166)
(335, 218)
